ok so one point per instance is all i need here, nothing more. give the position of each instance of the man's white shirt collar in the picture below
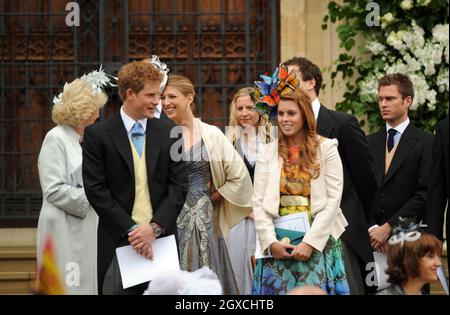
(316, 107)
(400, 128)
(158, 110)
(129, 122)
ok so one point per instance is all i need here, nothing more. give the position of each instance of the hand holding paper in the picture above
(140, 238)
(295, 222)
(136, 269)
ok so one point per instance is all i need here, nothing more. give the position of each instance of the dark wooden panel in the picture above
(220, 45)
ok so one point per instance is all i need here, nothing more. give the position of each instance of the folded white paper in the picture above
(136, 269)
(294, 222)
(258, 254)
(443, 279)
(76, 178)
(380, 269)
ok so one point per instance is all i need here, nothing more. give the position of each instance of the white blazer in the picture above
(325, 199)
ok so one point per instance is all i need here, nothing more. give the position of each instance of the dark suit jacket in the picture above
(403, 190)
(108, 176)
(359, 176)
(163, 116)
(439, 189)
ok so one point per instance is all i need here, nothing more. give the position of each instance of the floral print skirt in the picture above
(326, 270)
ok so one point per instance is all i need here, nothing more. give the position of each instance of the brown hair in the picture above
(403, 260)
(78, 104)
(182, 84)
(308, 71)
(403, 83)
(233, 122)
(309, 141)
(134, 75)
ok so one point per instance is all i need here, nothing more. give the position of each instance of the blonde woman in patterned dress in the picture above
(220, 188)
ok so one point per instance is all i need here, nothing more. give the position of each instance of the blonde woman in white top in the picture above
(247, 130)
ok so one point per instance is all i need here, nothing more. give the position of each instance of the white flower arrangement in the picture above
(440, 33)
(423, 3)
(375, 47)
(442, 80)
(424, 60)
(406, 5)
(387, 19)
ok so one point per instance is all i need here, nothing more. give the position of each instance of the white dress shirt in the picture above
(316, 107)
(129, 122)
(250, 150)
(158, 110)
(400, 130)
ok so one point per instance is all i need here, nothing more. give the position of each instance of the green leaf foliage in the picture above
(351, 16)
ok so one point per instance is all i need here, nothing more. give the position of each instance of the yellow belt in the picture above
(292, 201)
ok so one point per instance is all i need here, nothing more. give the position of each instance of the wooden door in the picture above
(220, 45)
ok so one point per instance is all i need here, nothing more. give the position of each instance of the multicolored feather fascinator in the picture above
(98, 80)
(268, 91)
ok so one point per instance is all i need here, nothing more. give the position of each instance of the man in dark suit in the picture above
(439, 189)
(130, 177)
(359, 177)
(402, 155)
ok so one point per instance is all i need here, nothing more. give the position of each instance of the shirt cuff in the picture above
(132, 228)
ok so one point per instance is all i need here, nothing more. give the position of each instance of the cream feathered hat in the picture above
(98, 79)
(161, 67)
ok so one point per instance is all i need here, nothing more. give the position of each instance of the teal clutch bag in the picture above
(295, 237)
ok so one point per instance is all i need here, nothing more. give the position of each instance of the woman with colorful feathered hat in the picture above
(299, 178)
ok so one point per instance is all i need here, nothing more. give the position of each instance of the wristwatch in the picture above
(156, 228)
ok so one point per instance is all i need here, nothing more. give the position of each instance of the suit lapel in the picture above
(324, 124)
(152, 146)
(119, 136)
(445, 150)
(272, 194)
(272, 164)
(318, 192)
(379, 154)
(405, 145)
(163, 116)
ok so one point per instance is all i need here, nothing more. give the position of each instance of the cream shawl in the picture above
(229, 177)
